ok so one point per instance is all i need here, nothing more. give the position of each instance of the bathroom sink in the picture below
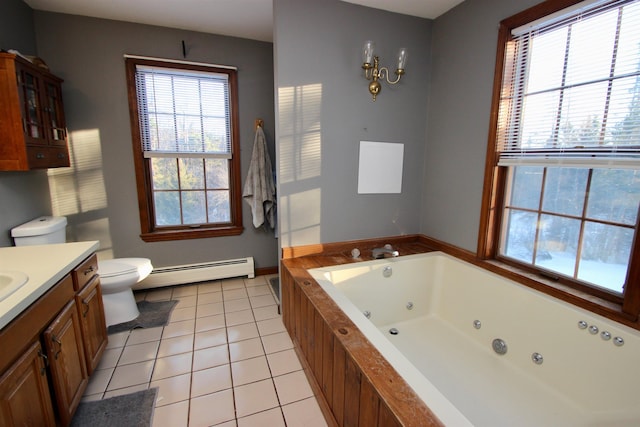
(11, 281)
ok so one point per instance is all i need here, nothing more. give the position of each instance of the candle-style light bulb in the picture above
(367, 52)
(402, 58)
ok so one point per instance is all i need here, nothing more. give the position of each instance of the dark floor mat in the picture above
(128, 410)
(152, 314)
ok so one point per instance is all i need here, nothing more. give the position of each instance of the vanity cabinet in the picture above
(65, 352)
(50, 349)
(33, 132)
(91, 311)
(24, 391)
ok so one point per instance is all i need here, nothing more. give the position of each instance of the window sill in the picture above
(561, 291)
(185, 234)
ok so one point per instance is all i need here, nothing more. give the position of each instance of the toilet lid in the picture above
(112, 268)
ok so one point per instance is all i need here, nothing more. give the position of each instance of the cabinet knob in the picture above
(40, 156)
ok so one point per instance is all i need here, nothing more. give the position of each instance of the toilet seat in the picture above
(122, 266)
(114, 268)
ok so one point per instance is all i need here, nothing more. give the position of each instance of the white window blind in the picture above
(183, 113)
(571, 90)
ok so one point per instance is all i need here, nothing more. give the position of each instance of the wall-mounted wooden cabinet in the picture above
(33, 132)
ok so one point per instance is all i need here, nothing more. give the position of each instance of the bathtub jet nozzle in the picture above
(499, 346)
(537, 358)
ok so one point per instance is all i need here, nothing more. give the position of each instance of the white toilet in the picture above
(117, 276)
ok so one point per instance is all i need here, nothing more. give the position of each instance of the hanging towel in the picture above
(259, 189)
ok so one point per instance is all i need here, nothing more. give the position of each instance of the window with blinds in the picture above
(567, 145)
(182, 112)
(571, 89)
(185, 147)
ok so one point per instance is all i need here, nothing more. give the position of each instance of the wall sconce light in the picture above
(372, 71)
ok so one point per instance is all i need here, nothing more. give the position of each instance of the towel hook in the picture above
(259, 123)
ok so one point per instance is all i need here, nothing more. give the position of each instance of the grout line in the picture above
(226, 326)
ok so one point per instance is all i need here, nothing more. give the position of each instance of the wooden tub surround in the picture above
(354, 384)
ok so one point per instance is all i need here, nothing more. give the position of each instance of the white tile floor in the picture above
(224, 359)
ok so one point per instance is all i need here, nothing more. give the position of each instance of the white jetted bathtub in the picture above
(444, 315)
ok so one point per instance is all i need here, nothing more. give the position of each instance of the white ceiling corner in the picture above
(251, 19)
(430, 9)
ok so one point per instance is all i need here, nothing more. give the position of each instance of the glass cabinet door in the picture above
(30, 96)
(54, 114)
(43, 115)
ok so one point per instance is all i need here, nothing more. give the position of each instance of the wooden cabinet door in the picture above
(63, 341)
(24, 392)
(94, 327)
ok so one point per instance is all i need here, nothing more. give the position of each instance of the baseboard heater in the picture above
(192, 273)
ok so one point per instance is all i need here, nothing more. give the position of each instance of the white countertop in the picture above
(45, 265)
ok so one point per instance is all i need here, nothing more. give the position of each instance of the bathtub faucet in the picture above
(377, 253)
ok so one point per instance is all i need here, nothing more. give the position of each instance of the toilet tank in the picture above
(41, 231)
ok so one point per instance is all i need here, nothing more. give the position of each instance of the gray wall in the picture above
(16, 29)
(440, 111)
(464, 52)
(324, 110)
(98, 194)
(23, 195)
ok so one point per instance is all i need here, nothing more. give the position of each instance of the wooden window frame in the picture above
(149, 231)
(624, 309)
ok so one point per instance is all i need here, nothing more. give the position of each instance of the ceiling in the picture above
(252, 19)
